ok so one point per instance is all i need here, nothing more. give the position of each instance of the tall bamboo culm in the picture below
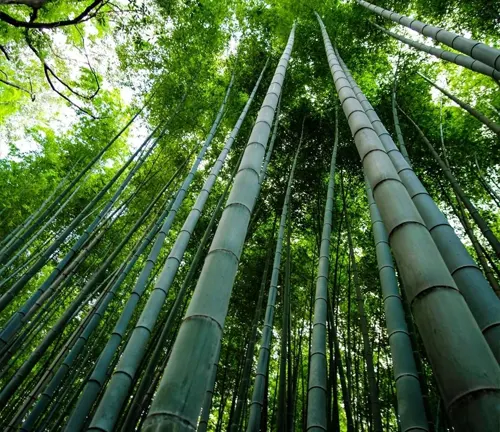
(317, 386)
(411, 409)
(470, 280)
(122, 378)
(179, 398)
(469, 385)
(477, 50)
(458, 59)
(261, 377)
(98, 377)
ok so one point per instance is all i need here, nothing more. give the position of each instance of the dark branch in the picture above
(92, 71)
(18, 87)
(5, 52)
(48, 72)
(85, 15)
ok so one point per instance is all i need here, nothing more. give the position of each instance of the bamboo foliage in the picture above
(20, 283)
(444, 320)
(201, 329)
(467, 275)
(317, 388)
(19, 238)
(477, 50)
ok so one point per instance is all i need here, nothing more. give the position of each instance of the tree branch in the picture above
(85, 15)
(10, 84)
(48, 72)
(92, 71)
(5, 52)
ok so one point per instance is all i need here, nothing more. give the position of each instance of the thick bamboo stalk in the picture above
(411, 409)
(265, 344)
(138, 403)
(477, 50)
(458, 59)
(470, 385)
(373, 392)
(110, 405)
(179, 398)
(96, 382)
(317, 387)
(495, 127)
(467, 275)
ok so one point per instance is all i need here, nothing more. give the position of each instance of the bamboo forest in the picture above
(250, 215)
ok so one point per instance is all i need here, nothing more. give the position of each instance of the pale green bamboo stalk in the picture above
(458, 59)
(98, 377)
(477, 50)
(265, 344)
(470, 384)
(122, 379)
(147, 384)
(180, 395)
(317, 385)
(495, 127)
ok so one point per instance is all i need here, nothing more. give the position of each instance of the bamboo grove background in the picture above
(215, 253)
